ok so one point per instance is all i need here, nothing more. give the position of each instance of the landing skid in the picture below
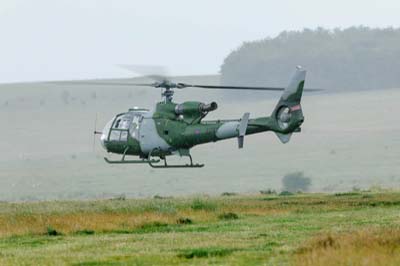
(166, 165)
(130, 161)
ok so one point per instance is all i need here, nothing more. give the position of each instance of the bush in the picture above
(205, 252)
(184, 221)
(161, 197)
(85, 232)
(294, 182)
(229, 194)
(228, 216)
(153, 227)
(285, 193)
(268, 192)
(52, 232)
(344, 194)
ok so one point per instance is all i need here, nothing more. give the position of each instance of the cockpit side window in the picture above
(134, 129)
(125, 122)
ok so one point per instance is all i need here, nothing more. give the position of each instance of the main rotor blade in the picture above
(96, 83)
(157, 73)
(239, 88)
(146, 70)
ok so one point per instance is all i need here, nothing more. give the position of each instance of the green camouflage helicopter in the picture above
(173, 128)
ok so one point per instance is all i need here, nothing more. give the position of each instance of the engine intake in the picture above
(191, 108)
(205, 108)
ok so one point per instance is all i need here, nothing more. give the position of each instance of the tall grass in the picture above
(363, 247)
(109, 215)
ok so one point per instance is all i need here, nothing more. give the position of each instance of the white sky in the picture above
(76, 39)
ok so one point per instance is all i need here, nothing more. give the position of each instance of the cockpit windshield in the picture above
(122, 121)
(122, 125)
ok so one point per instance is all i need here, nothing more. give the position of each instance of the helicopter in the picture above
(174, 128)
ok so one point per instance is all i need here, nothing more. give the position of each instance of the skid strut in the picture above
(123, 161)
(166, 165)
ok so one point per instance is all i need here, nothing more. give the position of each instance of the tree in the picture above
(350, 59)
(294, 182)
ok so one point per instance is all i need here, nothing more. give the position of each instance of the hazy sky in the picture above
(76, 39)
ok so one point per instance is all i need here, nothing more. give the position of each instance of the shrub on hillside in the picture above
(228, 216)
(268, 192)
(295, 182)
(184, 221)
(52, 232)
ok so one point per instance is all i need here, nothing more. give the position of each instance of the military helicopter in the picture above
(174, 128)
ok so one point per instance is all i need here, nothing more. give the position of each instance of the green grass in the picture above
(238, 230)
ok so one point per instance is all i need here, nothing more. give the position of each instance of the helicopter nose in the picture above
(104, 135)
(103, 140)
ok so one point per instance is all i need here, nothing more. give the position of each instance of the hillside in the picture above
(348, 140)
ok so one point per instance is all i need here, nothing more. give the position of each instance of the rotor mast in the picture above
(168, 89)
(167, 94)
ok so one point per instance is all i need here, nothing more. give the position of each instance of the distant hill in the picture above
(352, 58)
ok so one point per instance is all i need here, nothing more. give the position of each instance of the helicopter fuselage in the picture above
(174, 129)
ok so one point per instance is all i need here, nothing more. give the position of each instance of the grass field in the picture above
(356, 228)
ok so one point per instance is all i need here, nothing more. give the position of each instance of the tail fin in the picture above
(287, 113)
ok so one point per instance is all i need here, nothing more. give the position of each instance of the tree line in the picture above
(340, 59)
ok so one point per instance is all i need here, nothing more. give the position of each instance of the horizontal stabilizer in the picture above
(242, 129)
